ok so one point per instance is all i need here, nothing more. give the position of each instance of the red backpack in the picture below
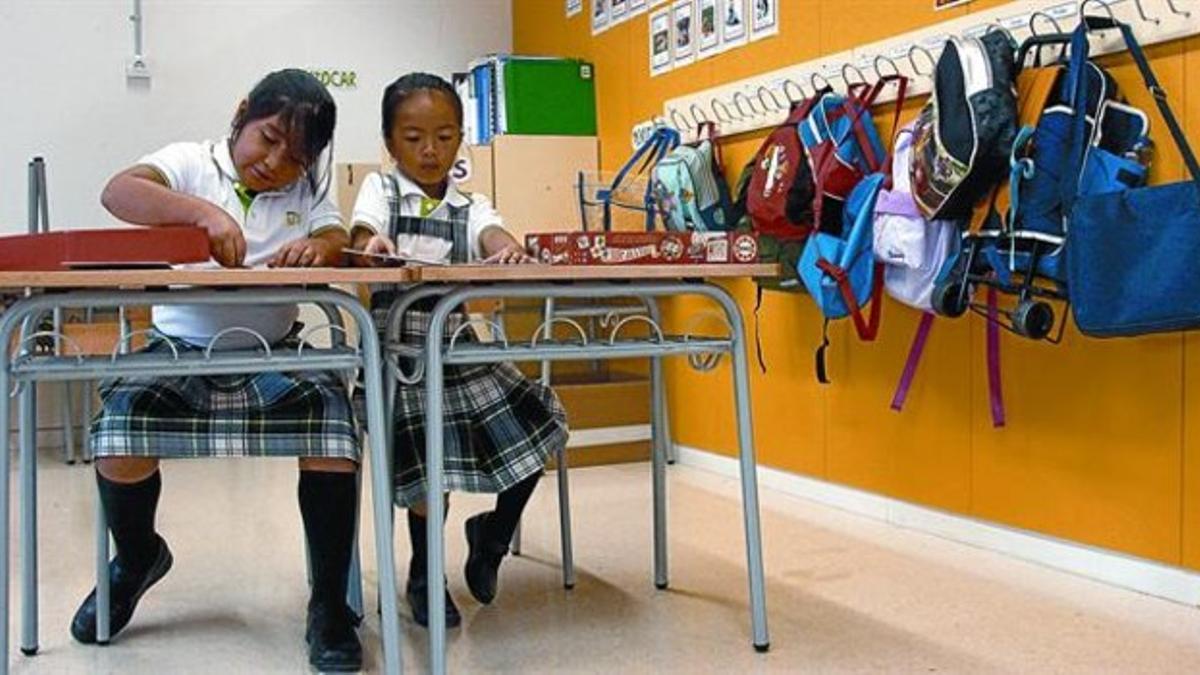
(779, 196)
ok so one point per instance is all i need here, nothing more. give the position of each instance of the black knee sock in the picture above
(328, 502)
(416, 539)
(509, 505)
(129, 509)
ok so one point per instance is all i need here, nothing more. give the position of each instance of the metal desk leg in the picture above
(741, 390)
(28, 500)
(659, 419)
(658, 462)
(5, 389)
(435, 518)
(381, 487)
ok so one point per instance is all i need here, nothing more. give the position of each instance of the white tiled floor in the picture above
(845, 594)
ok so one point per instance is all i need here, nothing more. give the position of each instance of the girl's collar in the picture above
(222, 158)
(454, 197)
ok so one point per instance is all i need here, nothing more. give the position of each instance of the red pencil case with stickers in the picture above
(643, 248)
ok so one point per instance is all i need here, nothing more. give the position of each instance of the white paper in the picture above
(764, 18)
(599, 16)
(617, 11)
(573, 7)
(733, 27)
(683, 29)
(708, 40)
(660, 41)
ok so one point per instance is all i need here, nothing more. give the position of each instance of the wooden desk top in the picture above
(589, 272)
(283, 276)
(298, 276)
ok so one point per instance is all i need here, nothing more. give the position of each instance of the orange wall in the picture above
(1103, 438)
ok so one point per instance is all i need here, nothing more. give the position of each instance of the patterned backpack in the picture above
(689, 186)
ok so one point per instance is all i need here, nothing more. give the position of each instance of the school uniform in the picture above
(267, 414)
(500, 427)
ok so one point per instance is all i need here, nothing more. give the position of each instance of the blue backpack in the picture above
(840, 271)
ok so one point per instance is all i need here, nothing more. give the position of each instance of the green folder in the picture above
(548, 96)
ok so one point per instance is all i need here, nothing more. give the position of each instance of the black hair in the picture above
(306, 110)
(409, 84)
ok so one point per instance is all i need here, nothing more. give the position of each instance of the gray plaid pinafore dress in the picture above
(304, 414)
(500, 426)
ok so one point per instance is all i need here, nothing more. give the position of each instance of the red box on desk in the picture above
(109, 247)
(643, 248)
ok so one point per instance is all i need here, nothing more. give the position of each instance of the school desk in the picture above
(116, 288)
(460, 283)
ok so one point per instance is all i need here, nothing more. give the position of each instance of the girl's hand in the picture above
(511, 254)
(379, 245)
(310, 252)
(225, 241)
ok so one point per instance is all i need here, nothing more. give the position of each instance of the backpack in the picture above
(689, 186)
(775, 191)
(912, 249)
(965, 130)
(843, 146)
(840, 271)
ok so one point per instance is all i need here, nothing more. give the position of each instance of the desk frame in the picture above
(515, 285)
(66, 368)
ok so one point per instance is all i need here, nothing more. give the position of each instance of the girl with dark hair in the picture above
(500, 426)
(260, 193)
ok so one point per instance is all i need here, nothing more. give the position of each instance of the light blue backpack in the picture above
(840, 271)
(690, 189)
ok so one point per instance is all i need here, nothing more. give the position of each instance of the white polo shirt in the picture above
(206, 170)
(371, 209)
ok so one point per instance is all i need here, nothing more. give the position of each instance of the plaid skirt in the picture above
(302, 414)
(500, 426)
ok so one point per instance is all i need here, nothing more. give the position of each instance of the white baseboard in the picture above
(584, 438)
(1119, 569)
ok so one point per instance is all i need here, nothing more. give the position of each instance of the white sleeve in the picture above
(371, 205)
(181, 164)
(483, 215)
(323, 215)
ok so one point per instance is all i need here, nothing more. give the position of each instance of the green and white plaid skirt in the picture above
(300, 414)
(500, 426)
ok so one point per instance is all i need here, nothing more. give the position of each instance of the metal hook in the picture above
(994, 27)
(795, 84)
(774, 99)
(884, 57)
(696, 121)
(737, 104)
(1083, 6)
(1178, 12)
(713, 105)
(1142, 13)
(861, 76)
(1053, 22)
(928, 55)
(676, 116)
(812, 79)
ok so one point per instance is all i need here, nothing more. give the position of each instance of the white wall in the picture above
(65, 95)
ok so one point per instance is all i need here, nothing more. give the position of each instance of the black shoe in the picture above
(417, 593)
(332, 641)
(125, 589)
(483, 559)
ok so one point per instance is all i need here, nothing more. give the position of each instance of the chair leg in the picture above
(564, 522)
(354, 592)
(68, 423)
(85, 446)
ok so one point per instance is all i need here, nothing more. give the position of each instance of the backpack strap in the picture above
(867, 329)
(995, 391)
(653, 149)
(914, 359)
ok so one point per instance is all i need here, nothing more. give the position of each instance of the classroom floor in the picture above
(845, 593)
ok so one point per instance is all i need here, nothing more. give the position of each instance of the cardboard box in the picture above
(643, 248)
